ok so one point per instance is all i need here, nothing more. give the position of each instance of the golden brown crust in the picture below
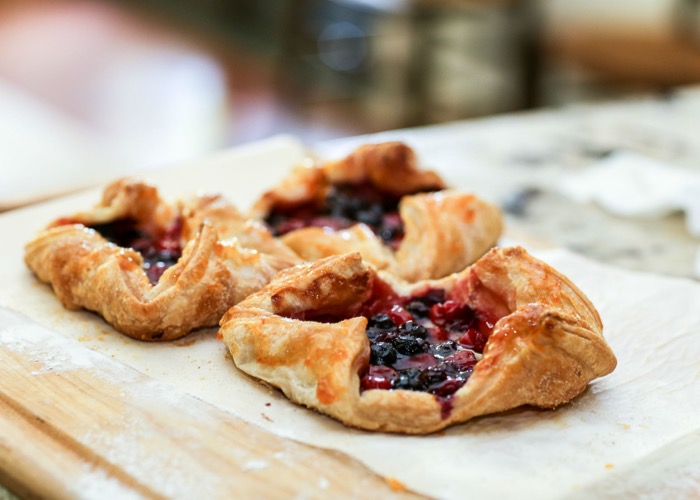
(231, 226)
(390, 166)
(313, 243)
(444, 231)
(544, 349)
(305, 183)
(213, 273)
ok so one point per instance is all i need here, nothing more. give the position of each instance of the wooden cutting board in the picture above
(75, 423)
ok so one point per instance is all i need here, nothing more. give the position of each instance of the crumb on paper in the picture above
(609, 466)
(626, 427)
(395, 484)
(266, 417)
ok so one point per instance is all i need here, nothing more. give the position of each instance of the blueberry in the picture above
(339, 204)
(456, 372)
(372, 216)
(450, 369)
(387, 336)
(413, 329)
(121, 232)
(419, 309)
(408, 379)
(387, 234)
(355, 205)
(408, 344)
(364, 203)
(382, 353)
(432, 378)
(444, 349)
(433, 296)
(343, 199)
(380, 322)
(381, 328)
(340, 208)
(373, 333)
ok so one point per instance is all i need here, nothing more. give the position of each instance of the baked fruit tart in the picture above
(377, 354)
(156, 271)
(378, 202)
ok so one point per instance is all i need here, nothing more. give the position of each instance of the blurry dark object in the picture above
(325, 59)
(394, 64)
(377, 65)
(327, 68)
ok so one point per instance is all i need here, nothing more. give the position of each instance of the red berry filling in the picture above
(344, 206)
(425, 342)
(160, 250)
(422, 343)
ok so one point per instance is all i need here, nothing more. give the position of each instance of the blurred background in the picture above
(146, 83)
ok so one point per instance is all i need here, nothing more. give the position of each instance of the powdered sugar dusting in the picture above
(123, 440)
(127, 444)
(253, 465)
(53, 353)
(97, 484)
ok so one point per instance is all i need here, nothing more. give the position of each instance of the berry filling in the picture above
(426, 342)
(423, 343)
(344, 206)
(160, 249)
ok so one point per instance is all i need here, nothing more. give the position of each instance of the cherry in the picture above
(474, 339)
(463, 360)
(378, 377)
(399, 315)
(441, 313)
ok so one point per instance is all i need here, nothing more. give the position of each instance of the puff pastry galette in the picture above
(337, 336)
(378, 202)
(152, 270)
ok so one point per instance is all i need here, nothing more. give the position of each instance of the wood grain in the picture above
(95, 428)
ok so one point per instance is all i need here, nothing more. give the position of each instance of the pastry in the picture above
(153, 270)
(380, 354)
(378, 202)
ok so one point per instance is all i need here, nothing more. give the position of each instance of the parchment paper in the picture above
(634, 432)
